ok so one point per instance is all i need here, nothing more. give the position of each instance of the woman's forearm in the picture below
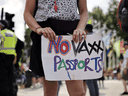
(83, 20)
(83, 11)
(31, 22)
(28, 14)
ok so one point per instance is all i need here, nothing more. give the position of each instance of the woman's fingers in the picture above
(44, 33)
(52, 33)
(84, 34)
(74, 35)
(80, 36)
(77, 35)
(47, 32)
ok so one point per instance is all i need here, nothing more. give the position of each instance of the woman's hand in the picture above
(83, 12)
(47, 32)
(77, 35)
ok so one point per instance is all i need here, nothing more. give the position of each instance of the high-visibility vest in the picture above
(8, 42)
(90, 21)
(19, 64)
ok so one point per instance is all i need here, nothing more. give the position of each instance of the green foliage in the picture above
(98, 15)
(22, 57)
(27, 38)
(109, 18)
(27, 45)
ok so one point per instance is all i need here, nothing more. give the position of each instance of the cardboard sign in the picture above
(63, 59)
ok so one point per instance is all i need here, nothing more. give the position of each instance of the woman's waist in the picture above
(61, 27)
(54, 21)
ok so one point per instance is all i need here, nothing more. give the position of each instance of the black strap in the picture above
(36, 7)
(78, 4)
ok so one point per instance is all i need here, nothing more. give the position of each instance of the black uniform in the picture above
(6, 74)
(7, 77)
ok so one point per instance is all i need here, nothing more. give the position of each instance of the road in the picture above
(112, 88)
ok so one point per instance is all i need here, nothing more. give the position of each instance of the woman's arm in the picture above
(28, 15)
(83, 14)
(33, 25)
(82, 23)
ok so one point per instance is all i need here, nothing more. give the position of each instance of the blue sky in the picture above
(17, 7)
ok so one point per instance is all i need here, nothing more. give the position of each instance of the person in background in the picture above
(24, 69)
(125, 71)
(19, 47)
(36, 81)
(92, 83)
(8, 42)
(102, 79)
(119, 67)
(51, 18)
(114, 73)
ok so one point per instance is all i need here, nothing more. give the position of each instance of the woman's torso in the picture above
(66, 10)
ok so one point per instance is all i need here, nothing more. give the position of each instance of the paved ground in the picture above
(112, 88)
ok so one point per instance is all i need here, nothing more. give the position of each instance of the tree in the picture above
(98, 16)
(111, 20)
(26, 51)
(27, 38)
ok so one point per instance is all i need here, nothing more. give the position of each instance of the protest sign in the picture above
(63, 59)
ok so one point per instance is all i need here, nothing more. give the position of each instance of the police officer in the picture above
(19, 47)
(7, 54)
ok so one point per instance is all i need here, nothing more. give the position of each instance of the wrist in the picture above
(37, 29)
(80, 29)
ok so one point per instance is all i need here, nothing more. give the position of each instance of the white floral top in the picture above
(66, 10)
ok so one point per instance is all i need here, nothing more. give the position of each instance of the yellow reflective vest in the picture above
(90, 21)
(8, 42)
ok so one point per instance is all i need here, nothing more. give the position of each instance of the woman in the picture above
(55, 17)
